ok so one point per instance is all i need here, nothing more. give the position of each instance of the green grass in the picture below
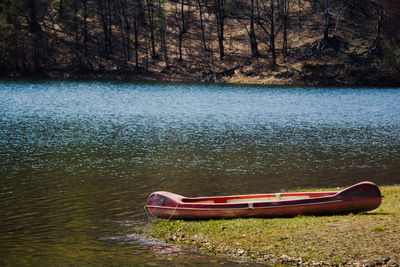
(365, 239)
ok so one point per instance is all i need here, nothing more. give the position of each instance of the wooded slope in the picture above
(250, 41)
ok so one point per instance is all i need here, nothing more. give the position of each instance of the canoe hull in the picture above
(361, 197)
(328, 208)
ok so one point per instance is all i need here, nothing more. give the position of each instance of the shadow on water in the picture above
(79, 159)
(175, 254)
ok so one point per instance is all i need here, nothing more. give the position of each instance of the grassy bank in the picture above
(371, 238)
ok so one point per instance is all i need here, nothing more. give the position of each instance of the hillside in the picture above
(293, 42)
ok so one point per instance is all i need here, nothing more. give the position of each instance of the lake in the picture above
(79, 158)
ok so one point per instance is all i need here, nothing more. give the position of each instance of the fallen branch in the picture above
(214, 76)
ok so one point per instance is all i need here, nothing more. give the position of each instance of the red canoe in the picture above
(360, 197)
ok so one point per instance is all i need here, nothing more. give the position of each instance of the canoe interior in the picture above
(258, 198)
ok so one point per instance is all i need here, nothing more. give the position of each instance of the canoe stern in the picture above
(366, 194)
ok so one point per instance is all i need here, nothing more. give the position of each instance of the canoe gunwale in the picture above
(240, 208)
(181, 204)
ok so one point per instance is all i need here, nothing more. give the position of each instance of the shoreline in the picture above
(323, 75)
(365, 239)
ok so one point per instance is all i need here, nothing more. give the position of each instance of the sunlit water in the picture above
(78, 159)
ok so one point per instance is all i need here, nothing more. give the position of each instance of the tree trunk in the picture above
(378, 37)
(162, 34)
(123, 51)
(220, 15)
(182, 29)
(202, 26)
(379, 21)
(328, 17)
(299, 14)
(338, 18)
(285, 18)
(16, 48)
(272, 33)
(102, 10)
(85, 33)
(35, 29)
(253, 38)
(151, 26)
(109, 21)
(136, 31)
(61, 8)
(127, 28)
(285, 42)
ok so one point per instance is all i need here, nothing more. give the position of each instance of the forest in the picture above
(310, 42)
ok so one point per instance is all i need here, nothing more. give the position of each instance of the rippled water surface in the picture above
(78, 159)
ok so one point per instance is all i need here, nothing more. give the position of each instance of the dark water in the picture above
(78, 159)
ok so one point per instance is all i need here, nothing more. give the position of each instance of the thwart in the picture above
(361, 197)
